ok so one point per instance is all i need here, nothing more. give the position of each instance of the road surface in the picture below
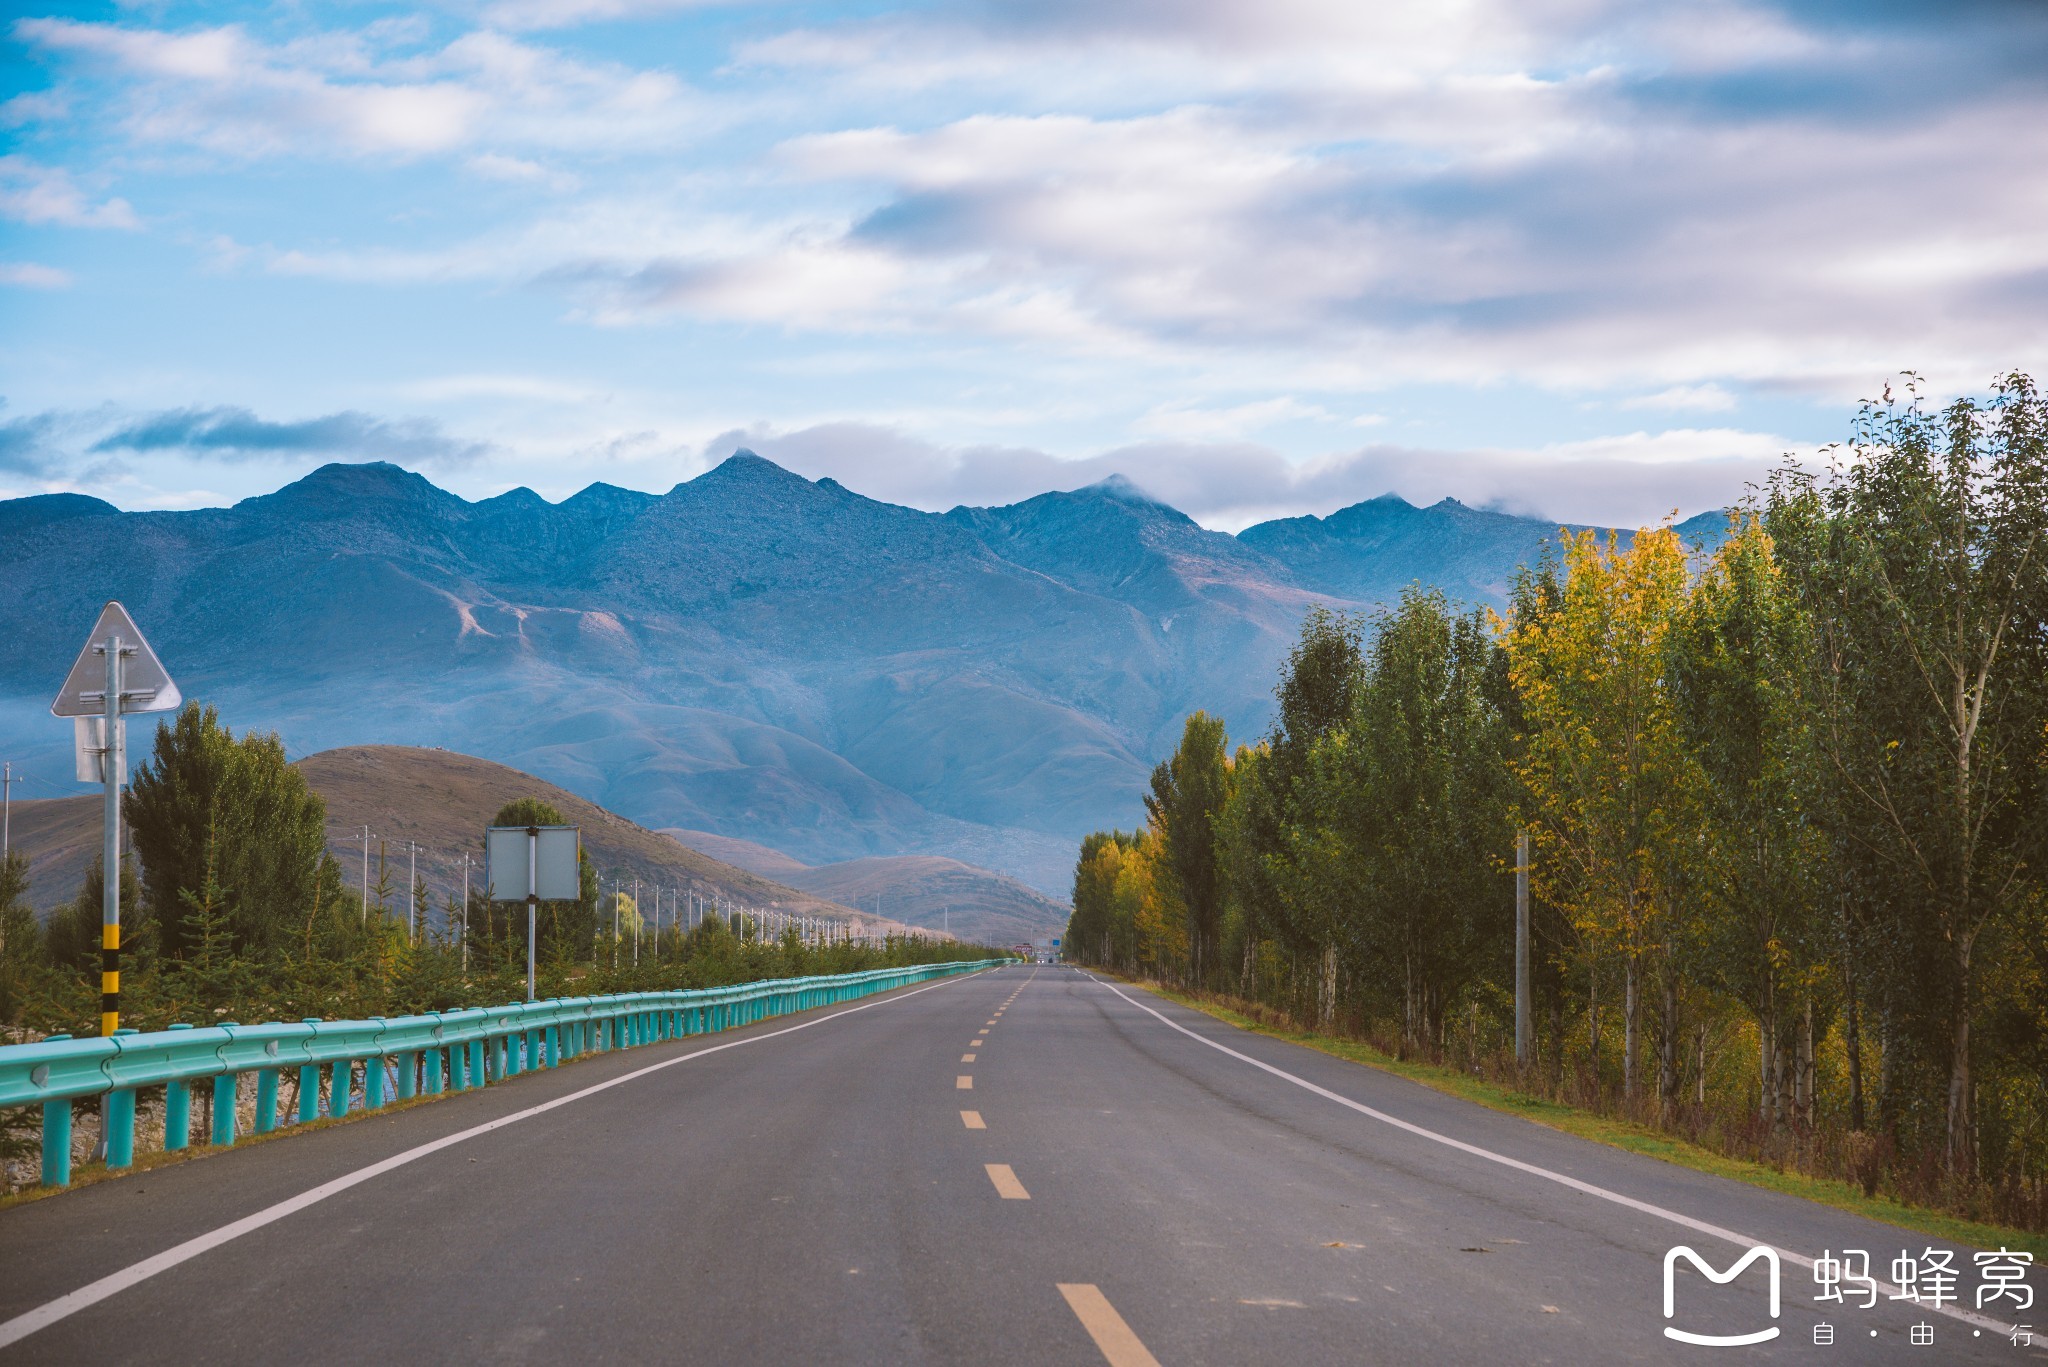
(1031, 1165)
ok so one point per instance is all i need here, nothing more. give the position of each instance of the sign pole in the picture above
(532, 899)
(1524, 1035)
(112, 761)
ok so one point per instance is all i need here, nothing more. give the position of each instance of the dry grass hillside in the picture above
(442, 800)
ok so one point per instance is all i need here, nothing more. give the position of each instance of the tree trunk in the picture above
(1853, 1033)
(1962, 1147)
(1327, 1005)
(1631, 1012)
(1700, 1076)
(1808, 1074)
(1667, 1053)
(1593, 1021)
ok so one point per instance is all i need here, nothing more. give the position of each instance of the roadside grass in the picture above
(1625, 1134)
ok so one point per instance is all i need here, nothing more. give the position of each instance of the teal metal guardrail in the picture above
(410, 1055)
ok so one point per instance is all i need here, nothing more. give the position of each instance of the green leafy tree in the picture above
(272, 841)
(1923, 561)
(1189, 793)
(21, 937)
(1734, 655)
(73, 934)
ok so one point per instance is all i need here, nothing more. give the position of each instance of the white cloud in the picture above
(1704, 398)
(33, 193)
(1626, 480)
(30, 275)
(224, 91)
(1194, 422)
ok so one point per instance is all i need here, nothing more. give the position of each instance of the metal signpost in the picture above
(116, 675)
(534, 864)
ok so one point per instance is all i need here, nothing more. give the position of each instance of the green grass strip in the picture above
(1636, 1138)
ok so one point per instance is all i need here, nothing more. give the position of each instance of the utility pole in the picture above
(615, 921)
(7, 814)
(639, 922)
(465, 911)
(412, 895)
(366, 873)
(1523, 1042)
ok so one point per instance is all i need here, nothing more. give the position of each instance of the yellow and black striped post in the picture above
(110, 977)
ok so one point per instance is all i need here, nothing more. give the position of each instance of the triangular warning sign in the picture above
(145, 684)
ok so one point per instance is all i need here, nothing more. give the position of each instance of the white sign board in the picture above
(552, 858)
(145, 684)
(89, 749)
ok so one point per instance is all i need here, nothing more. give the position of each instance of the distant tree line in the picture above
(1788, 806)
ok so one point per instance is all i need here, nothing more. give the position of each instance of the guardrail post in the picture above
(309, 1085)
(341, 1082)
(121, 1128)
(57, 1140)
(408, 1075)
(309, 1092)
(431, 1084)
(373, 1082)
(56, 1135)
(120, 1118)
(266, 1100)
(177, 1110)
(476, 1063)
(225, 1094)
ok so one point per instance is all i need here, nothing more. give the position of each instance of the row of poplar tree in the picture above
(1787, 801)
(240, 912)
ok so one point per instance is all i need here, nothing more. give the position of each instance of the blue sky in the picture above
(1586, 258)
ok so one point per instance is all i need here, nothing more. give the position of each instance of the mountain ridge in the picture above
(751, 653)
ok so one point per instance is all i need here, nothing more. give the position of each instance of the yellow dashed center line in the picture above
(963, 1083)
(1120, 1347)
(1007, 1185)
(972, 1120)
(967, 1058)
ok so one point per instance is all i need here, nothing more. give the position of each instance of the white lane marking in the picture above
(29, 1321)
(1686, 1221)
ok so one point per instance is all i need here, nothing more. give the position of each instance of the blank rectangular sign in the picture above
(505, 863)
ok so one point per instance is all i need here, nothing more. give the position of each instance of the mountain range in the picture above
(752, 654)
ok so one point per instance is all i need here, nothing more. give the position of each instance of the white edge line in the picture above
(29, 1321)
(1644, 1207)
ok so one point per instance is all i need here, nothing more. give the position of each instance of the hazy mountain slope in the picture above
(741, 854)
(1371, 551)
(922, 890)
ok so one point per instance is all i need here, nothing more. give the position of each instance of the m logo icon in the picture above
(1770, 1257)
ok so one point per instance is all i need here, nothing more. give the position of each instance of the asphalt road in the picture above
(1108, 1189)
